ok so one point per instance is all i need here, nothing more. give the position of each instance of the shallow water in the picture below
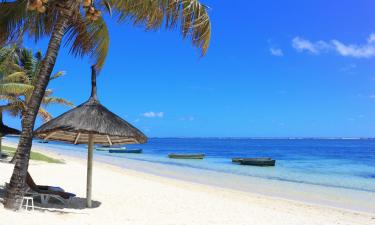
(337, 163)
(339, 172)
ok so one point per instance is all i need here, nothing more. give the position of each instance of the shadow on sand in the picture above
(77, 203)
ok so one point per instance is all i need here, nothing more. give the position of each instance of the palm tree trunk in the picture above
(14, 157)
(14, 192)
(1, 135)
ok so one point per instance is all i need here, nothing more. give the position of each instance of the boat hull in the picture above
(255, 161)
(107, 149)
(186, 156)
(237, 160)
(134, 151)
(3, 155)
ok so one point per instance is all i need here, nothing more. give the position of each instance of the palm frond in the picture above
(17, 81)
(190, 15)
(17, 77)
(7, 53)
(15, 88)
(12, 15)
(89, 38)
(54, 100)
(8, 97)
(48, 93)
(57, 75)
(16, 20)
(15, 108)
(27, 61)
(46, 116)
(8, 60)
(108, 7)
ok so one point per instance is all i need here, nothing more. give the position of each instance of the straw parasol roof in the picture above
(75, 125)
(91, 117)
(90, 123)
(5, 130)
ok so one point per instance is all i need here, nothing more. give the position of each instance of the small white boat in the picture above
(109, 148)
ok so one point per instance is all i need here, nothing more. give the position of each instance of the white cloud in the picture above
(357, 51)
(153, 114)
(365, 50)
(276, 51)
(371, 38)
(301, 45)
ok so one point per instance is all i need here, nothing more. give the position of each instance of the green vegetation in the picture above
(34, 155)
(85, 33)
(18, 77)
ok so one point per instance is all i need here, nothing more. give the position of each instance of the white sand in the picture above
(128, 197)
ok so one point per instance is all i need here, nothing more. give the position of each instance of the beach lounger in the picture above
(47, 192)
(3, 155)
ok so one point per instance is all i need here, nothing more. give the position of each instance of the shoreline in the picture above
(349, 199)
(261, 183)
(268, 205)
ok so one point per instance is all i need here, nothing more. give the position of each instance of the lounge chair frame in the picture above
(45, 197)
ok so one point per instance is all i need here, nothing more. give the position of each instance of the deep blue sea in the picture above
(343, 163)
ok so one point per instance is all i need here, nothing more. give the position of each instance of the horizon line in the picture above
(342, 138)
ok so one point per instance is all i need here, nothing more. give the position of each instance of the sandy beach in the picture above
(187, 112)
(128, 197)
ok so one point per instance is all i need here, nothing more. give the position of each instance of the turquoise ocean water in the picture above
(344, 164)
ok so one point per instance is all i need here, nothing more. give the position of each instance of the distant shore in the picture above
(124, 196)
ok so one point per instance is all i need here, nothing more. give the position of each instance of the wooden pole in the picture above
(1, 139)
(89, 170)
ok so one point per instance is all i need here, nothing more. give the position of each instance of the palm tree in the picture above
(87, 35)
(18, 70)
(17, 84)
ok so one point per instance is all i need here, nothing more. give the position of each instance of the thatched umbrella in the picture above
(5, 130)
(90, 123)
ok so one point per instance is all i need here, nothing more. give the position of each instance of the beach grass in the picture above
(34, 155)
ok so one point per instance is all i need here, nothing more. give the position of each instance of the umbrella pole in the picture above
(89, 170)
(1, 139)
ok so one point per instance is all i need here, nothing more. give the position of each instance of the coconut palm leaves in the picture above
(88, 38)
(17, 85)
(189, 15)
(88, 33)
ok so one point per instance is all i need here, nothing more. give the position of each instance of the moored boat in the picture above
(255, 161)
(236, 160)
(3, 155)
(109, 148)
(136, 151)
(186, 156)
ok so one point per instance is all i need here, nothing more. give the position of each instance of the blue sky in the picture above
(296, 68)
